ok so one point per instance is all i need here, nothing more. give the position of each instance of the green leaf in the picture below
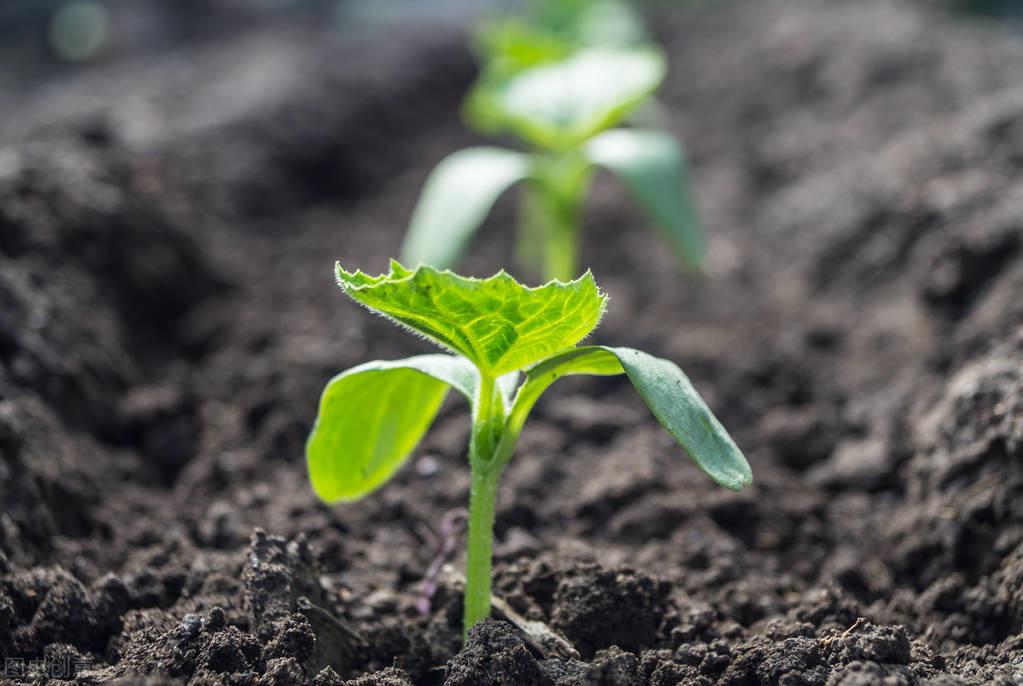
(372, 416)
(586, 360)
(511, 44)
(665, 389)
(455, 201)
(609, 22)
(560, 104)
(671, 397)
(652, 166)
(549, 32)
(497, 323)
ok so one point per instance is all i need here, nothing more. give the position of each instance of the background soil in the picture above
(168, 318)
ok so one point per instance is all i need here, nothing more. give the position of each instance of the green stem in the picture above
(487, 417)
(481, 540)
(487, 426)
(562, 245)
(552, 214)
(486, 473)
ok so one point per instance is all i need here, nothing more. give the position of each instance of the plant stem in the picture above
(562, 244)
(487, 422)
(552, 214)
(487, 426)
(481, 539)
(486, 473)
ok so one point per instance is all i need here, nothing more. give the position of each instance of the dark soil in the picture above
(168, 318)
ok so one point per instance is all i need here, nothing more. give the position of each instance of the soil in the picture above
(168, 228)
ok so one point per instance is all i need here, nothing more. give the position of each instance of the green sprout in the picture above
(509, 343)
(565, 94)
(550, 30)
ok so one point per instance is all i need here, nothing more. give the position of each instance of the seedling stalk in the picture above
(552, 212)
(487, 427)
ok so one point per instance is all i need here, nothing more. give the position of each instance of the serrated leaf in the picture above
(652, 166)
(665, 389)
(497, 323)
(558, 105)
(372, 416)
(456, 199)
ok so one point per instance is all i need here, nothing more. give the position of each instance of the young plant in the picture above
(550, 30)
(565, 98)
(372, 416)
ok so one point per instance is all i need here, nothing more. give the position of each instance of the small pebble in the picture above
(190, 625)
(427, 466)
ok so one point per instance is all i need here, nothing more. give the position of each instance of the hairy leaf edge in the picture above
(405, 274)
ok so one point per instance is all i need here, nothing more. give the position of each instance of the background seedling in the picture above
(550, 30)
(372, 416)
(563, 85)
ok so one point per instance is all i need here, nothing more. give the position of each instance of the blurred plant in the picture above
(550, 30)
(79, 30)
(996, 8)
(560, 80)
(372, 416)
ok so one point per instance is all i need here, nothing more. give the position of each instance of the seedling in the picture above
(565, 98)
(372, 416)
(550, 30)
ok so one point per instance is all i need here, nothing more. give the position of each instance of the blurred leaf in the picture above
(511, 45)
(606, 23)
(456, 199)
(652, 166)
(551, 30)
(1009, 9)
(560, 104)
(609, 23)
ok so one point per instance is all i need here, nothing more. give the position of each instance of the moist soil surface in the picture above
(168, 228)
